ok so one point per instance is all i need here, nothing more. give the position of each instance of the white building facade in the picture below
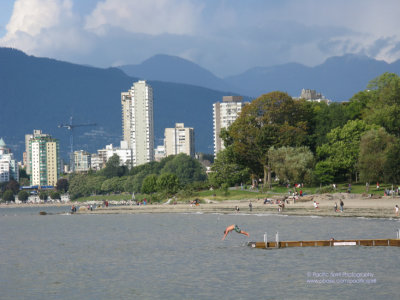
(103, 155)
(138, 123)
(179, 140)
(8, 165)
(82, 161)
(224, 114)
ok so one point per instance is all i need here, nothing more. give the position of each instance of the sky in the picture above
(226, 37)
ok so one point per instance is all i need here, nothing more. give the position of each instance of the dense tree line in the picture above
(171, 174)
(300, 141)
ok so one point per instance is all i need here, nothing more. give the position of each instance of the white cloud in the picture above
(32, 16)
(148, 17)
(43, 27)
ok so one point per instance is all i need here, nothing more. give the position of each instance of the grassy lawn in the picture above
(238, 194)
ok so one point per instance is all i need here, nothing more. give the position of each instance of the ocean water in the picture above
(181, 256)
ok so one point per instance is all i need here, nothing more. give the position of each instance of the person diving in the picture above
(235, 228)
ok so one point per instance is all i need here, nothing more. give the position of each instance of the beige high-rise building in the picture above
(224, 114)
(137, 122)
(44, 160)
(179, 140)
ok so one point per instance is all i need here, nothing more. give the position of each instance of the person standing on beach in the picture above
(341, 205)
(250, 206)
(396, 210)
(335, 208)
(231, 228)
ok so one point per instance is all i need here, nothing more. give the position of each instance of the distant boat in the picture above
(42, 213)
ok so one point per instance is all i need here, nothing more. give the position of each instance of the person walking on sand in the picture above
(250, 206)
(231, 228)
(341, 205)
(396, 210)
(335, 208)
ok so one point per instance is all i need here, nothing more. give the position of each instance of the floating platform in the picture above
(326, 243)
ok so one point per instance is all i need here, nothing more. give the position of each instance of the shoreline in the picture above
(355, 205)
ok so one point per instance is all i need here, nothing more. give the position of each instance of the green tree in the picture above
(343, 147)
(374, 145)
(115, 184)
(93, 184)
(327, 117)
(186, 168)
(358, 104)
(23, 177)
(138, 181)
(149, 185)
(13, 185)
(8, 195)
(273, 119)
(292, 164)
(383, 108)
(324, 172)
(43, 195)
(226, 170)
(78, 186)
(55, 195)
(62, 185)
(128, 186)
(23, 196)
(168, 183)
(391, 166)
(113, 168)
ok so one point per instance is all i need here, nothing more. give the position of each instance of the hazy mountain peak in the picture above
(170, 68)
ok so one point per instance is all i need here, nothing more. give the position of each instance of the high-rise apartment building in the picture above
(179, 140)
(8, 165)
(44, 160)
(224, 114)
(27, 159)
(137, 122)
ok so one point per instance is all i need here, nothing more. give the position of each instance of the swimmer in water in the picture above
(233, 227)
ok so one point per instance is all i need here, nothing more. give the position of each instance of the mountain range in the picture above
(42, 93)
(338, 78)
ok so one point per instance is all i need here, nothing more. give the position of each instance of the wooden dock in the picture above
(326, 243)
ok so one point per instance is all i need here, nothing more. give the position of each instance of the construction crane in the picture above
(71, 127)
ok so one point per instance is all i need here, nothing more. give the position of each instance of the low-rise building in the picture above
(103, 155)
(82, 161)
(313, 96)
(159, 153)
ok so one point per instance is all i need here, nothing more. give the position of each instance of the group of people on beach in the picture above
(335, 208)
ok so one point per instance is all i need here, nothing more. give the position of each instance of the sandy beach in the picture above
(355, 205)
